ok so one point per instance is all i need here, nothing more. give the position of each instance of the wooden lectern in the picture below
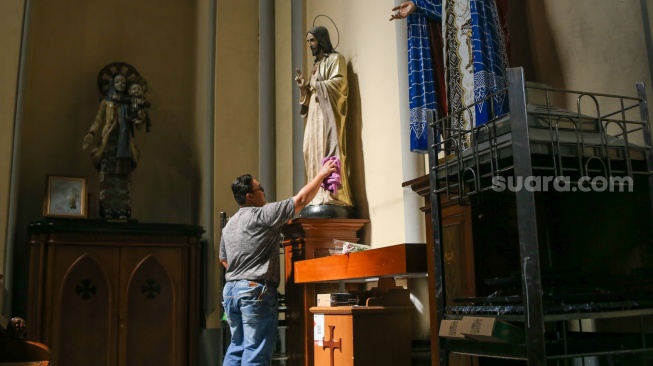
(308, 238)
(358, 327)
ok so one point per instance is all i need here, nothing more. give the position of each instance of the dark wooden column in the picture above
(421, 186)
(308, 238)
(458, 244)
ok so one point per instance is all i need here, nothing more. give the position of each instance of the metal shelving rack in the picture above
(539, 139)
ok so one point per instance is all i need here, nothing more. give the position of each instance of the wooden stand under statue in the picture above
(308, 238)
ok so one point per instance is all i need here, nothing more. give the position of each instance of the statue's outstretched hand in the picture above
(299, 79)
(87, 140)
(402, 11)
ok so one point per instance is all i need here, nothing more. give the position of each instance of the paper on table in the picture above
(343, 247)
(318, 329)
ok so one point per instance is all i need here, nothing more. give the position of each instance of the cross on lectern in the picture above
(331, 344)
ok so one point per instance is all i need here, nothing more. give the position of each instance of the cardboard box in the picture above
(324, 300)
(336, 299)
(450, 329)
(491, 330)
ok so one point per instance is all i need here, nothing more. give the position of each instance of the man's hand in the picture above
(405, 9)
(328, 168)
(308, 192)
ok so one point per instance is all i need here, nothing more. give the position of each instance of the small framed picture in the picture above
(65, 197)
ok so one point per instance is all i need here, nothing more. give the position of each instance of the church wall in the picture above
(11, 29)
(587, 45)
(70, 41)
(204, 142)
(285, 73)
(69, 44)
(201, 140)
(236, 131)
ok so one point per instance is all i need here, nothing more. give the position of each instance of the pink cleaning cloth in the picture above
(332, 182)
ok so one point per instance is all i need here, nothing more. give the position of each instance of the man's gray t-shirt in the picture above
(250, 241)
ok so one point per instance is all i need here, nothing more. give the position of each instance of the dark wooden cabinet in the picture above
(115, 293)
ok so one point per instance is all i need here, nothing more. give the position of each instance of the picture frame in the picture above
(65, 197)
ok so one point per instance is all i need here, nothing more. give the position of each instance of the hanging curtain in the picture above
(490, 59)
(476, 62)
(421, 72)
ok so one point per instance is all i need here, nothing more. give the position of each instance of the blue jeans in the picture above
(253, 316)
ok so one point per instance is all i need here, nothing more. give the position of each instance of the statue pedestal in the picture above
(308, 238)
(328, 212)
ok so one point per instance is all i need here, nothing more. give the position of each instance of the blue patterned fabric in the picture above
(420, 70)
(490, 59)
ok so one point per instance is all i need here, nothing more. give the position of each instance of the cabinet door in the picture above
(339, 346)
(152, 310)
(458, 252)
(83, 303)
(458, 256)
